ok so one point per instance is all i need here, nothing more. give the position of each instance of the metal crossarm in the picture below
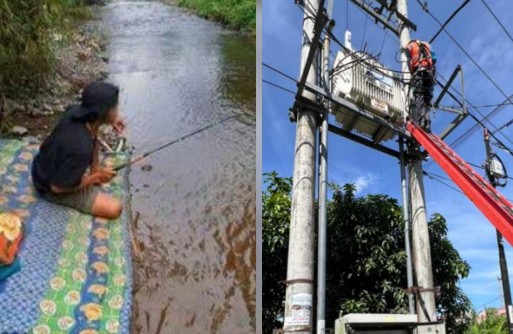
(488, 200)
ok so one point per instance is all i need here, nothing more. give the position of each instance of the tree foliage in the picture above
(29, 31)
(275, 220)
(366, 270)
(492, 323)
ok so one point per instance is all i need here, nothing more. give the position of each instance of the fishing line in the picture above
(175, 141)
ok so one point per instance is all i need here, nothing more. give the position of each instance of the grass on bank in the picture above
(30, 33)
(239, 14)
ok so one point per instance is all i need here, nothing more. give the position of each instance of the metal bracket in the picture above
(462, 112)
(377, 14)
(417, 289)
(369, 10)
(299, 280)
(320, 20)
(363, 141)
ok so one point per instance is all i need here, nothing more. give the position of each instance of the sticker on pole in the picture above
(300, 310)
(321, 326)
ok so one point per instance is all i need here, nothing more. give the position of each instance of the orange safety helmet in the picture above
(419, 56)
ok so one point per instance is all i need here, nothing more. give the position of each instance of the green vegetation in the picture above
(30, 32)
(239, 14)
(366, 258)
(493, 323)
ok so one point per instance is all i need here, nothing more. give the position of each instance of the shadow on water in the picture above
(177, 72)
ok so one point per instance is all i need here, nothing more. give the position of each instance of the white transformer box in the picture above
(362, 80)
(357, 323)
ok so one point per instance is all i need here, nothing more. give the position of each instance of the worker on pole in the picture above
(421, 62)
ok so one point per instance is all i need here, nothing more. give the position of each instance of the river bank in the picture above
(79, 60)
(236, 14)
(52, 51)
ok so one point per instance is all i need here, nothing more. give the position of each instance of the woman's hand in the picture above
(119, 125)
(104, 175)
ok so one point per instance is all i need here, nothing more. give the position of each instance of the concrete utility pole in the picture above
(500, 245)
(421, 250)
(300, 265)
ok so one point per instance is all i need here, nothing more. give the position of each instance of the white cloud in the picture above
(364, 182)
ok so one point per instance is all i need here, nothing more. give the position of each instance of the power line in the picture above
(488, 303)
(364, 31)
(278, 86)
(447, 21)
(497, 19)
(383, 43)
(347, 15)
(433, 177)
(475, 127)
(439, 179)
(279, 72)
(493, 105)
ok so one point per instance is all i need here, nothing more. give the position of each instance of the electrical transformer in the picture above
(356, 323)
(362, 80)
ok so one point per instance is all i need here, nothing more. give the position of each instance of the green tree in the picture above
(493, 323)
(29, 34)
(366, 269)
(275, 220)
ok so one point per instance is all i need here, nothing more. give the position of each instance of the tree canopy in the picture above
(366, 260)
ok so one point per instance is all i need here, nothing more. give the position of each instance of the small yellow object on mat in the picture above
(11, 233)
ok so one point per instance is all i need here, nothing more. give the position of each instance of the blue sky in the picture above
(374, 172)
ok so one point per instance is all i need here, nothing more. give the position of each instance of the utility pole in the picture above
(323, 186)
(407, 234)
(421, 250)
(500, 245)
(300, 265)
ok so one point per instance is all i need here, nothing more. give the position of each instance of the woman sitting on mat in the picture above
(66, 170)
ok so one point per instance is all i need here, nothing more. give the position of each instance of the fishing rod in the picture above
(143, 156)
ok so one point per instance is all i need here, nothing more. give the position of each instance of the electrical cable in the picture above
(279, 71)
(439, 178)
(432, 177)
(347, 15)
(278, 86)
(490, 105)
(383, 43)
(448, 20)
(364, 31)
(488, 303)
(475, 127)
(497, 19)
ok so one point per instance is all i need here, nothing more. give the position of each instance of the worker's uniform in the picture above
(422, 69)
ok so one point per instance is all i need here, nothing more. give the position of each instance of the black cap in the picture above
(97, 98)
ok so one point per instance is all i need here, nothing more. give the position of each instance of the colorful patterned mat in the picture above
(75, 270)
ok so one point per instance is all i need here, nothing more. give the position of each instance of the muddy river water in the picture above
(177, 73)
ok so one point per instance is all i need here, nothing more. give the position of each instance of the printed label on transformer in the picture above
(379, 105)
